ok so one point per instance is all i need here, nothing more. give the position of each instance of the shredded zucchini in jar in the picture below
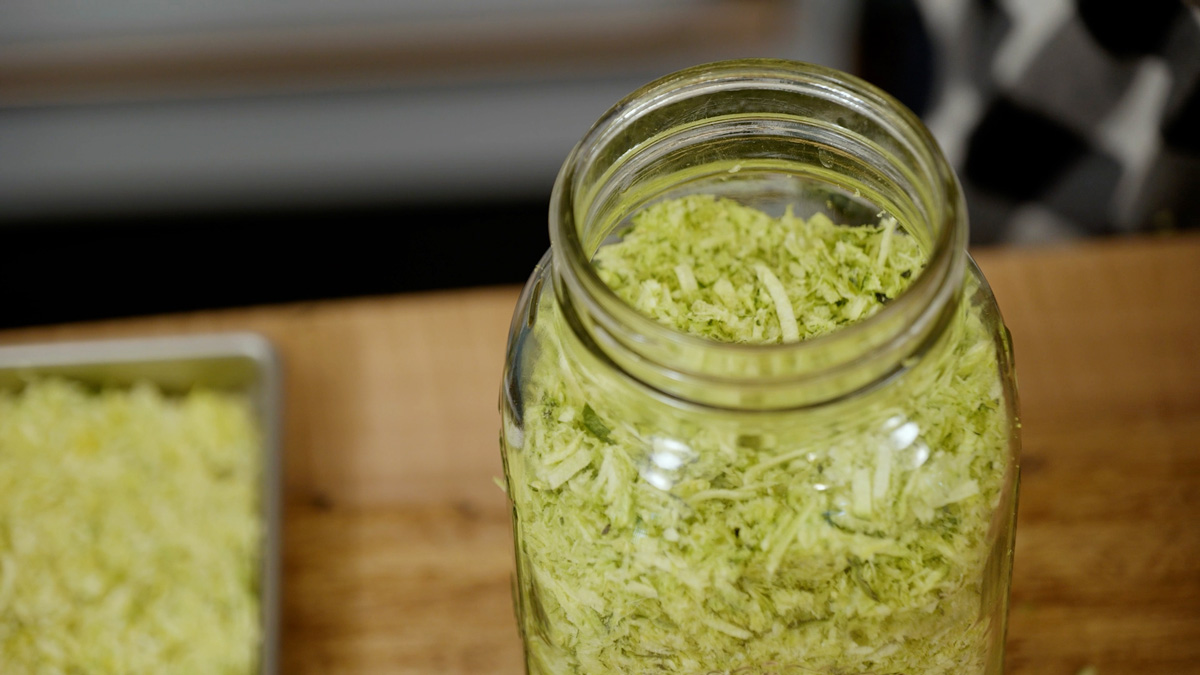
(853, 542)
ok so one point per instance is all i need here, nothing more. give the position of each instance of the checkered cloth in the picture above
(1068, 117)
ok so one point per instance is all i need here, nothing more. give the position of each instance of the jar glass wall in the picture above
(836, 502)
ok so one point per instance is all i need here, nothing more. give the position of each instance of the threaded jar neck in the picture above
(758, 130)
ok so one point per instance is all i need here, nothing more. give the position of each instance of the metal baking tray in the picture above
(239, 362)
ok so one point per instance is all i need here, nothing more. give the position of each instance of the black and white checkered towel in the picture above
(1069, 117)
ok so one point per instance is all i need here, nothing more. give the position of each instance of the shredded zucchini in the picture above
(129, 532)
(850, 538)
(753, 278)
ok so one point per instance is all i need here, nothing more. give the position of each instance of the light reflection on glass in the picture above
(667, 457)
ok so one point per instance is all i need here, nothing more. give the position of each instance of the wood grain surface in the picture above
(397, 545)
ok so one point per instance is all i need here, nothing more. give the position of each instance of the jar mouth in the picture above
(836, 108)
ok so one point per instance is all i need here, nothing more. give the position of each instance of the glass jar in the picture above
(839, 504)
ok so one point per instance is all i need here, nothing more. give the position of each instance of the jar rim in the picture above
(932, 288)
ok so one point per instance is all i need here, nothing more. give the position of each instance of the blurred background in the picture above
(167, 156)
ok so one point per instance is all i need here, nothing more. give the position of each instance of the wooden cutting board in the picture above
(397, 545)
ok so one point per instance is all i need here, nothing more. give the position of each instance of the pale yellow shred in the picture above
(783, 304)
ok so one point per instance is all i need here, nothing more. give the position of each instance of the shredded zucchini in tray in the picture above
(130, 532)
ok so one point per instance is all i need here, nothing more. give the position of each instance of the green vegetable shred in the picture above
(851, 538)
